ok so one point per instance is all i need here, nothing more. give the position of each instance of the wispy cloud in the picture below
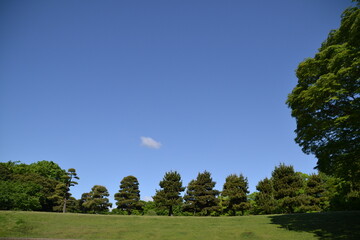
(150, 143)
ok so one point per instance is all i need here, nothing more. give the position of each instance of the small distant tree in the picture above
(97, 200)
(265, 201)
(201, 197)
(234, 194)
(169, 195)
(128, 197)
(287, 185)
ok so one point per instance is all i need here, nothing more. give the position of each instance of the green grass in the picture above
(335, 225)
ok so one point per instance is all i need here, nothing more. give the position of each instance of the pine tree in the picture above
(169, 195)
(264, 199)
(59, 196)
(128, 197)
(97, 201)
(69, 181)
(315, 190)
(200, 197)
(234, 194)
(63, 189)
(84, 198)
(287, 184)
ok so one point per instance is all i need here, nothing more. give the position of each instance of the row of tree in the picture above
(44, 186)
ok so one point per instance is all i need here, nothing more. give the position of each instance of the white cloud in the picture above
(147, 199)
(150, 143)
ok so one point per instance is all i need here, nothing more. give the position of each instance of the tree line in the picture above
(44, 186)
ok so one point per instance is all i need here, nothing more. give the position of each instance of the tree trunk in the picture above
(64, 207)
(170, 210)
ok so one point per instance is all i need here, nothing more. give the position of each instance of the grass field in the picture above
(335, 225)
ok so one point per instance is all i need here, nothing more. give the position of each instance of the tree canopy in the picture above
(201, 197)
(169, 195)
(96, 200)
(128, 197)
(235, 192)
(326, 101)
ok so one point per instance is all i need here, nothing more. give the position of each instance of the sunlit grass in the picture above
(82, 226)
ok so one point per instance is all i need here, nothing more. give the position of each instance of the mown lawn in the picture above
(336, 225)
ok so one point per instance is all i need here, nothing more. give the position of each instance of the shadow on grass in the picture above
(329, 225)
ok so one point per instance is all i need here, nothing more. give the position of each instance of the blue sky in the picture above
(118, 88)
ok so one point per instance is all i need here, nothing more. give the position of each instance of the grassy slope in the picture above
(337, 225)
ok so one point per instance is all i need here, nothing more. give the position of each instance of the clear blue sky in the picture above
(82, 81)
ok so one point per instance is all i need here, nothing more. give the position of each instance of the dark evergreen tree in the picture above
(169, 195)
(287, 184)
(128, 197)
(85, 197)
(234, 194)
(201, 197)
(96, 201)
(315, 190)
(265, 201)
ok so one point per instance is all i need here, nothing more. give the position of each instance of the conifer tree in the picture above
(169, 195)
(201, 197)
(234, 194)
(287, 184)
(315, 190)
(264, 199)
(69, 182)
(97, 201)
(128, 197)
(62, 193)
(58, 197)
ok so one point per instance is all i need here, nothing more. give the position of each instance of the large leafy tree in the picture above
(234, 194)
(326, 101)
(97, 200)
(128, 197)
(201, 197)
(48, 169)
(169, 195)
(287, 185)
(32, 185)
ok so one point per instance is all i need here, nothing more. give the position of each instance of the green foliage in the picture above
(128, 197)
(200, 197)
(43, 176)
(316, 192)
(48, 169)
(68, 179)
(149, 208)
(326, 102)
(169, 195)
(287, 186)
(234, 194)
(96, 201)
(265, 201)
(58, 197)
(16, 195)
